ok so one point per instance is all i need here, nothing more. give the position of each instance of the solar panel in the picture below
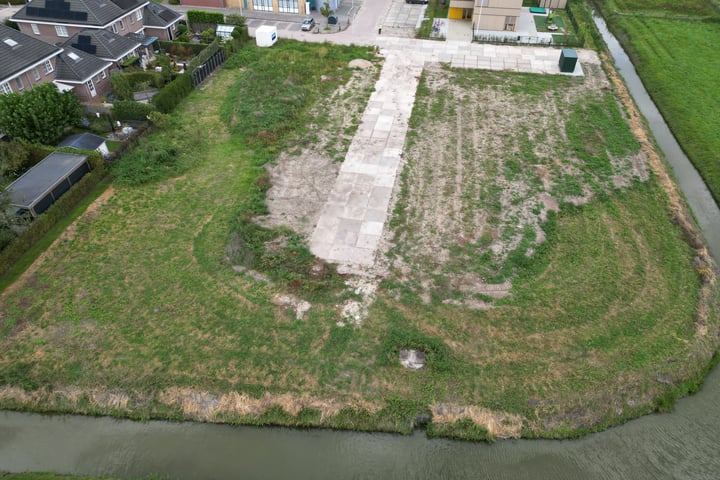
(56, 9)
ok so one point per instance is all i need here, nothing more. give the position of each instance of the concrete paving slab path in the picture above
(351, 223)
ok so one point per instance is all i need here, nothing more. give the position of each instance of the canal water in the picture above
(680, 445)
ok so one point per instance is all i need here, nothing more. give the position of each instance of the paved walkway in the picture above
(352, 221)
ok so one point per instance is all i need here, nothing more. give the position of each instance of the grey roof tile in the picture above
(19, 51)
(78, 12)
(102, 44)
(77, 66)
(157, 15)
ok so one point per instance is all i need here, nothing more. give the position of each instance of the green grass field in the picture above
(673, 47)
(138, 311)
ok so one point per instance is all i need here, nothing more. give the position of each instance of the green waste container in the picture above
(568, 60)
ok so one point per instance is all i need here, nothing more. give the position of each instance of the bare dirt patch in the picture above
(302, 177)
(484, 168)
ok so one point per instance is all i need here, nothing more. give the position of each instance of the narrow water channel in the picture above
(680, 445)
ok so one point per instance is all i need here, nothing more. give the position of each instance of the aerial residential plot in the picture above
(529, 254)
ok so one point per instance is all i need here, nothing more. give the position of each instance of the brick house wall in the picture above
(204, 3)
(28, 79)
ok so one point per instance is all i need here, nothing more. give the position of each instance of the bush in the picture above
(174, 92)
(130, 110)
(147, 163)
(208, 35)
(121, 86)
(154, 79)
(235, 19)
(174, 2)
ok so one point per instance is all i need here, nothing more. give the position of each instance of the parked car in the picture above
(417, 2)
(308, 24)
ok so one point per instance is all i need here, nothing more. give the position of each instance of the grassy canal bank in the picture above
(534, 254)
(671, 45)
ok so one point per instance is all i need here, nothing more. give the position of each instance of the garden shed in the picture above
(86, 141)
(47, 181)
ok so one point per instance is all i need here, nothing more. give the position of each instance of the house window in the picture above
(61, 30)
(5, 88)
(122, 25)
(97, 78)
(288, 6)
(36, 74)
(35, 29)
(103, 74)
(19, 83)
(138, 15)
(263, 5)
(113, 27)
(510, 23)
(91, 87)
(48, 67)
(132, 20)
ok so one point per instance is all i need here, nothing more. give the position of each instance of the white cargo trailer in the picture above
(266, 36)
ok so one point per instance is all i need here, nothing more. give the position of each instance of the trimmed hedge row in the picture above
(168, 98)
(124, 84)
(57, 211)
(581, 18)
(199, 16)
(130, 110)
(205, 55)
(195, 47)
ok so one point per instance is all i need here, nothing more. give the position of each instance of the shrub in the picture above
(150, 77)
(121, 86)
(147, 163)
(130, 110)
(167, 99)
(208, 35)
(235, 19)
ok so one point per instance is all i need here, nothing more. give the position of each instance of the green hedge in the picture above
(581, 18)
(174, 92)
(59, 210)
(155, 79)
(124, 84)
(205, 55)
(174, 47)
(130, 110)
(200, 16)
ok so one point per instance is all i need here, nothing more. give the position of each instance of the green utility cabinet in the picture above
(568, 60)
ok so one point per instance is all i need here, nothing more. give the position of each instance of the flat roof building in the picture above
(43, 184)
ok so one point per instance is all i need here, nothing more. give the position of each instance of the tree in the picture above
(325, 11)
(40, 115)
